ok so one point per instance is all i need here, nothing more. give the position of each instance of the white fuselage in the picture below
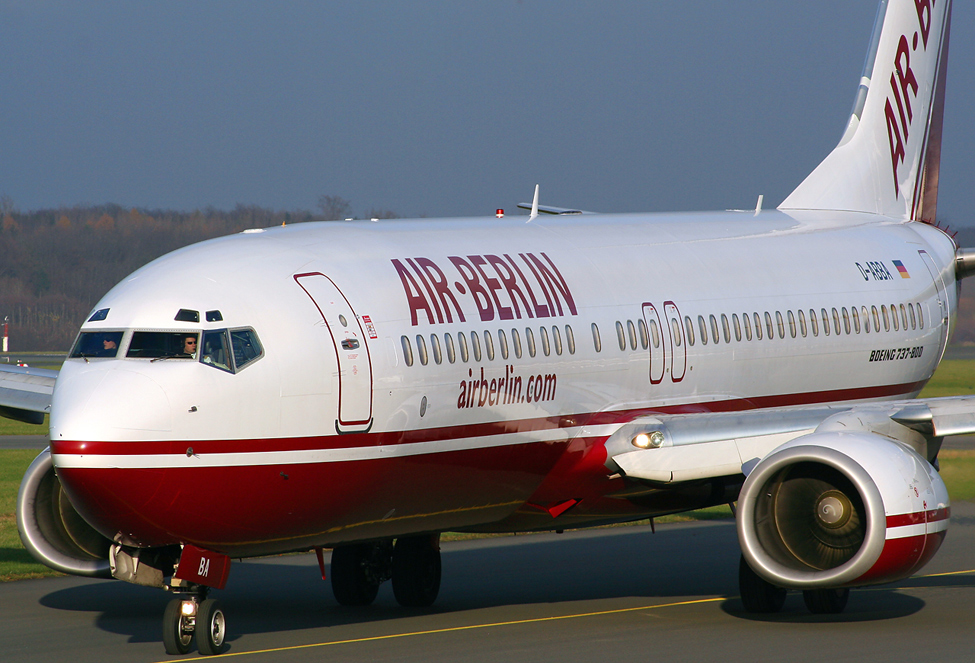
(593, 320)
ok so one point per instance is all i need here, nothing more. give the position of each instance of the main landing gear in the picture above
(413, 564)
(762, 597)
(193, 615)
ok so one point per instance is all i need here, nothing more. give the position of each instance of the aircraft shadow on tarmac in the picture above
(285, 594)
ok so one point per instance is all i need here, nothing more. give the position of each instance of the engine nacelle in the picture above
(830, 510)
(51, 528)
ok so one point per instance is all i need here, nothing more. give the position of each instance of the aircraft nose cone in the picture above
(96, 403)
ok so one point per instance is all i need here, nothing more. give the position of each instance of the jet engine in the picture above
(836, 509)
(51, 528)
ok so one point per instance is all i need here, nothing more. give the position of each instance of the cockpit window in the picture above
(97, 344)
(246, 347)
(230, 350)
(215, 350)
(163, 345)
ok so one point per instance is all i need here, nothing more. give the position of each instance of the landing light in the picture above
(188, 608)
(648, 440)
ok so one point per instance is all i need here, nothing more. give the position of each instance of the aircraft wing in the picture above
(25, 393)
(668, 449)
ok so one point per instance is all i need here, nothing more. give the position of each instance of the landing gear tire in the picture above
(177, 629)
(826, 601)
(758, 594)
(352, 582)
(211, 628)
(416, 571)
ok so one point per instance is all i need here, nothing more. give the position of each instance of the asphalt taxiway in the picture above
(624, 593)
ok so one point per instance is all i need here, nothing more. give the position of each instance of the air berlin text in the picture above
(478, 391)
(502, 287)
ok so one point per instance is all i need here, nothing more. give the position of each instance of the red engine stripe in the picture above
(919, 517)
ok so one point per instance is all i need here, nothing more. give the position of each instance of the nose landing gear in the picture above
(196, 616)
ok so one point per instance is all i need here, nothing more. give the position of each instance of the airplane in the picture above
(367, 385)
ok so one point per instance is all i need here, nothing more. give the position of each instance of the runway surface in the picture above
(620, 593)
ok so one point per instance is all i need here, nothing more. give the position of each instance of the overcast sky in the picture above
(442, 108)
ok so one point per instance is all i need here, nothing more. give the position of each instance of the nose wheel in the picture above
(194, 616)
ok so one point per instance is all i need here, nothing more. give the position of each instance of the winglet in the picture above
(534, 206)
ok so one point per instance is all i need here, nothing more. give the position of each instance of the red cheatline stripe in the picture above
(918, 517)
(354, 440)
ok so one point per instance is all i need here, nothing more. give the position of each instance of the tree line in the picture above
(55, 264)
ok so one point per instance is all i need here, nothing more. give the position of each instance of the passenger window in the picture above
(489, 345)
(503, 343)
(516, 340)
(903, 317)
(530, 340)
(866, 319)
(247, 348)
(570, 339)
(476, 346)
(736, 325)
(449, 343)
(407, 351)
(893, 316)
(856, 319)
(758, 325)
(642, 326)
(689, 326)
(543, 334)
(825, 321)
(725, 328)
(462, 342)
(654, 333)
(920, 316)
(792, 324)
(770, 330)
(215, 349)
(704, 330)
(814, 322)
(748, 326)
(802, 323)
(632, 332)
(596, 341)
(421, 349)
(557, 340)
(836, 321)
(620, 335)
(910, 307)
(435, 346)
(780, 324)
(714, 328)
(876, 318)
(675, 329)
(883, 310)
(846, 320)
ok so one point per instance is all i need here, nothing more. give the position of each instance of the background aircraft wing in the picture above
(25, 393)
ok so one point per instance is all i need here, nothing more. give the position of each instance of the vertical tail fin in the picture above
(887, 161)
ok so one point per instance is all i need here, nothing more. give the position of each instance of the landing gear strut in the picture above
(413, 563)
(194, 615)
(358, 570)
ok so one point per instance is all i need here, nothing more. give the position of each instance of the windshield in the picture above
(159, 345)
(97, 344)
